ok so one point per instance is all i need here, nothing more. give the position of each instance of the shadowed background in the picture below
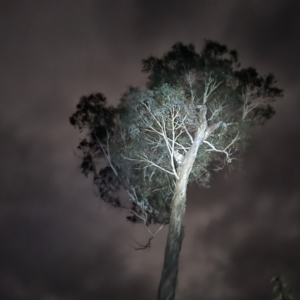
(58, 241)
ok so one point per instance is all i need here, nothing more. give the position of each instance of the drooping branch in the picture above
(148, 244)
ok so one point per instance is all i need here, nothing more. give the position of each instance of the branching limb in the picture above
(248, 106)
(226, 150)
(190, 81)
(148, 245)
(216, 110)
(210, 86)
(211, 129)
(145, 159)
(153, 234)
(107, 155)
(188, 133)
(143, 247)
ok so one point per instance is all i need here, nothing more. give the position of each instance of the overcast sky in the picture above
(58, 241)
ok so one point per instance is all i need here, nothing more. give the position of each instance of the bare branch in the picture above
(144, 159)
(148, 245)
(225, 150)
(216, 110)
(210, 86)
(248, 105)
(143, 247)
(107, 157)
(187, 132)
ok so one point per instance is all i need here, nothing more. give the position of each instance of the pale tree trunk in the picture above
(168, 281)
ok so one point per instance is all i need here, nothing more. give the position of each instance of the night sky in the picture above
(58, 241)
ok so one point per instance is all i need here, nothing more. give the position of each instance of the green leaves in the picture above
(132, 146)
(281, 288)
(92, 113)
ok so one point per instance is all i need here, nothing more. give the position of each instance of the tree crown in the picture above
(139, 145)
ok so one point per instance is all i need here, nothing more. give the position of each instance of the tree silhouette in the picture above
(192, 118)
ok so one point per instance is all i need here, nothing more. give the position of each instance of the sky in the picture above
(58, 241)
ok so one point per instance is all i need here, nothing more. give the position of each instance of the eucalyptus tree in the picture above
(192, 118)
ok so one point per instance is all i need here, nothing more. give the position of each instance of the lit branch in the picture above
(107, 155)
(210, 86)
(170, 127)
(190, 82)
(248, 106)
(226, 150)
(215, 110)
(145, 159)
(187, 132)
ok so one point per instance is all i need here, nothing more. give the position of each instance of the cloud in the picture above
(57, 240)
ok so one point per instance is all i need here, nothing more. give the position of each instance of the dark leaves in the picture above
(108, 185)
(120, 137)
(214, 50)
(87, 165)
(93, 113)
(249, 77)
(262, 114)
(173, 65)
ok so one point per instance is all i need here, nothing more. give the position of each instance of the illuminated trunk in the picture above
(168, 281)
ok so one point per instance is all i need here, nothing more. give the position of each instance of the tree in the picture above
(192, 118)
(281, 289)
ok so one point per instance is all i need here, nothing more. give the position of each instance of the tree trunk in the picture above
(168, 281)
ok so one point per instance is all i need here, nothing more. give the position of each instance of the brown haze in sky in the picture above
(57, 240)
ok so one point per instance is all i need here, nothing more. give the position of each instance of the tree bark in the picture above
(168, 281)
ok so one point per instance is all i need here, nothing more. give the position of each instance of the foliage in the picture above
(136, 146)
(281, 289)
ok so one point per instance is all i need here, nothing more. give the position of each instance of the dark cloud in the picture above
(44, 255)
(57, 240)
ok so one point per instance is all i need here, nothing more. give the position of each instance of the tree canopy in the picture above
(138, 145)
